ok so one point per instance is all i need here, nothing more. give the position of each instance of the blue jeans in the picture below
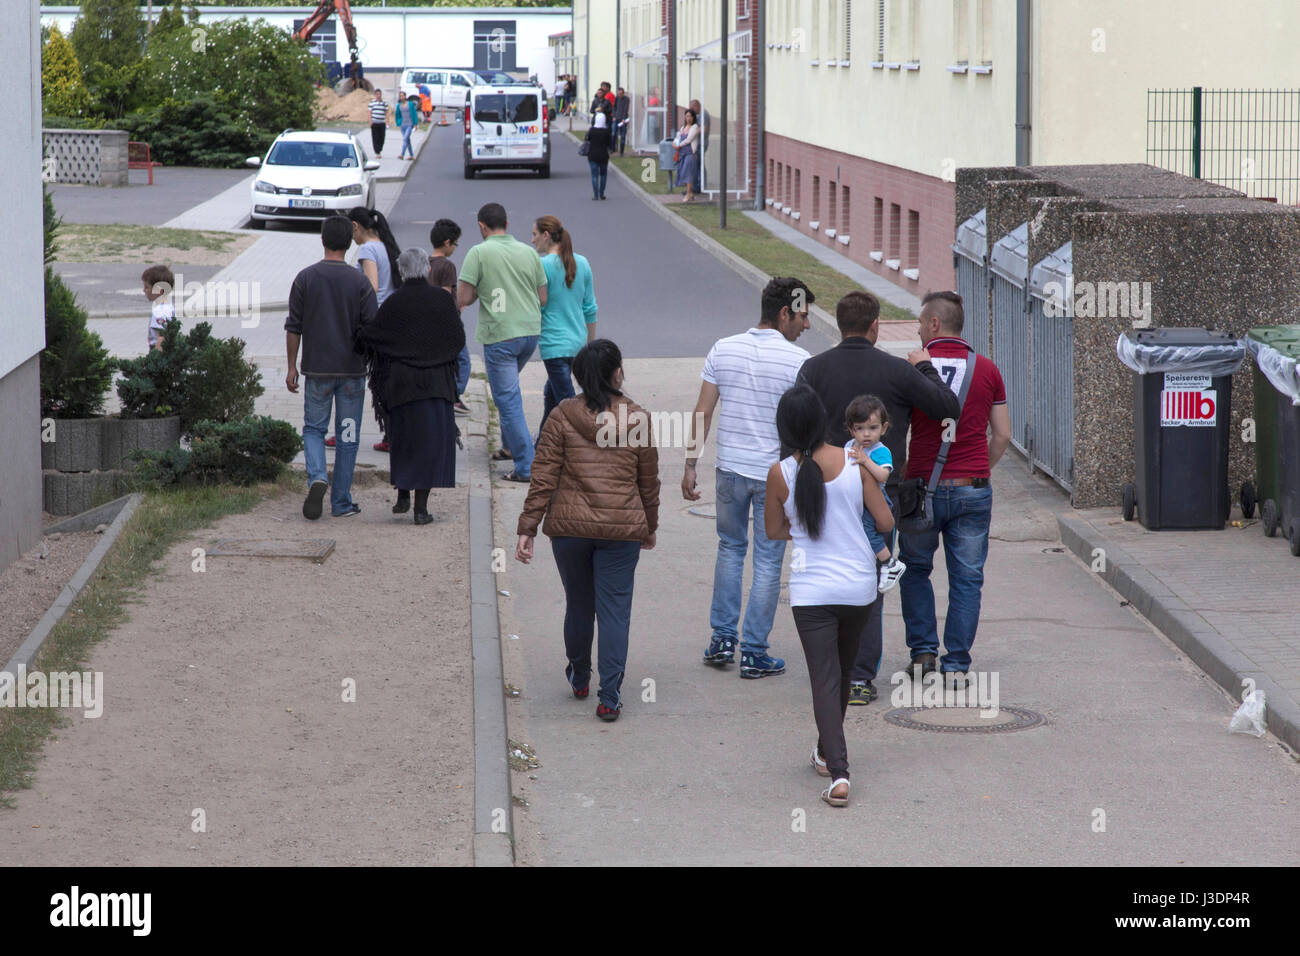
(736, 495)
(504, 361)
(463, 367)
(620, 136)
(598, 577)
(874, 537)
(962, 516)
(406, 141)
(559, 385)
(599, 172)
(347, 397)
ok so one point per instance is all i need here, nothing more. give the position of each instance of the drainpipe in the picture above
(618, 44)
(1022, 82)
(760, 118)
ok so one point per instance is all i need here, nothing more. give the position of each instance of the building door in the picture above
(494, 45)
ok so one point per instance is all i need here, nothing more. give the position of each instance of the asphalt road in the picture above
(659, 294)
(174, 190)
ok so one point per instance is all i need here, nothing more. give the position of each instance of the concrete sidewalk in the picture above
(264, 272)
(705, 768)
(1227, 598)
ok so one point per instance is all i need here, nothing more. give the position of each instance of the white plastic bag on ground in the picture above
(1249, 718)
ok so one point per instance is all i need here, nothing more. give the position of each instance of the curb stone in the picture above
(1192, 634)
(492, 803)
(29, 648)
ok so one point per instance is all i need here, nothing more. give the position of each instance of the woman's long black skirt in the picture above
(422, 444)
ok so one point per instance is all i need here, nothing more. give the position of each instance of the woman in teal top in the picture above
(569, 316)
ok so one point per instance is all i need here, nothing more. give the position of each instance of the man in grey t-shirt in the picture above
(327, 303)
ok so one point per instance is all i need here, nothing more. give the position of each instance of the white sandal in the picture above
(818, 763)
(833, 800)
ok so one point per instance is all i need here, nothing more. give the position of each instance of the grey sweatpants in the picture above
(830, 634)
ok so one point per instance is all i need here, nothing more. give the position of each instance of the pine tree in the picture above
(62, 91)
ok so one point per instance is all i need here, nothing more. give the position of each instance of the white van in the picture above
(447, 88)
(507, 127)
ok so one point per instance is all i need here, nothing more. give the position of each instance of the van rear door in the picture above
(489, 129)
(524, 110)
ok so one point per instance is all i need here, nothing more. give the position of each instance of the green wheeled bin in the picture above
(1267, 450)
(1280, 364)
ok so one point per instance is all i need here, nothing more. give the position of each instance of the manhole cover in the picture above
(964, 720)
(313, 549)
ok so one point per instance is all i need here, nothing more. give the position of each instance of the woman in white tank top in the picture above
(815, 498)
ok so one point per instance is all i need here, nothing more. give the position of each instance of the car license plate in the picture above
(487, 150)
(306, 204)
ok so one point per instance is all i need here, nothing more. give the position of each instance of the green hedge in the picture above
(241, 452)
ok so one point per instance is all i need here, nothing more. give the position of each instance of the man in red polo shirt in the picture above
(962, 502)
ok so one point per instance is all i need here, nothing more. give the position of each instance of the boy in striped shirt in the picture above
(378, 122)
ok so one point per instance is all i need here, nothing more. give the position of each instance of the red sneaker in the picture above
(329, 442)
(381, 446)
(608, 714)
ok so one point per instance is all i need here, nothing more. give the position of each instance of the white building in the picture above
(23, 319)
(513, 39)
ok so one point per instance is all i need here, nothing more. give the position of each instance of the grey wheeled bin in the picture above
(1182, 425)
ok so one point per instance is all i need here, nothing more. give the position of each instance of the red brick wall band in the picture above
(929, 197)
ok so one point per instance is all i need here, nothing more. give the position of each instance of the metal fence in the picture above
(1051, 326)
(1009, 265)
(1244, 139)
(970, 258)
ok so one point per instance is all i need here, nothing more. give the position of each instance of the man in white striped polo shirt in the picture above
(749, 373)
(378, 122)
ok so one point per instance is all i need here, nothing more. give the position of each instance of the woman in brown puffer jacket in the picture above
(596, 479)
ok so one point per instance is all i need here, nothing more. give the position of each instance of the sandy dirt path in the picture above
(224, 693)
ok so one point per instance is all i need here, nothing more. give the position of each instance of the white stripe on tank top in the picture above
(839, 566)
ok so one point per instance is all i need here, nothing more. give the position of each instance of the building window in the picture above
(779, 194)
(960, 32)
(913, 240)
(914, 31)
(844, 211)
(984, 31)
(878, 225)
(798, 180)
(895, 213)
(830, 212)
(817, 198)
(846, 47)
(771, 176)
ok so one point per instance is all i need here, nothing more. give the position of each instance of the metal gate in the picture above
(1009, 263)
(970, 258)
(1051, 318)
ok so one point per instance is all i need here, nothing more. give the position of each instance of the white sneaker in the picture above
(890, 574)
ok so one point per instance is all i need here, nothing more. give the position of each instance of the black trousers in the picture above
(830, 634)
(377, 133)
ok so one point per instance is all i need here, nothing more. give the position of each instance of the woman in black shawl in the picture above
(411, 349)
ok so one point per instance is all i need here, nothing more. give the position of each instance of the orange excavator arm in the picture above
(322, 13)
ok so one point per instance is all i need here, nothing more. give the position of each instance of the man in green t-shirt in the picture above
(507, 278)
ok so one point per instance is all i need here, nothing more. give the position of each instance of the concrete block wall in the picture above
(1224, 263)
(1213, 257)
(94, 156)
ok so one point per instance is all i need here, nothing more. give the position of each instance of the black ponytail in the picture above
(372, 220)
(593, 368)
(801, 425)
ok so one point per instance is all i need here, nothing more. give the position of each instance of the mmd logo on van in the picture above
(1187, 399)
(529, 129)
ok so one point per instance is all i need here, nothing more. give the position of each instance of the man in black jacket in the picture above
(856, 367)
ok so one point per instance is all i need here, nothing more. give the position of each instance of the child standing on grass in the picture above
(867, 421)
(158, 285)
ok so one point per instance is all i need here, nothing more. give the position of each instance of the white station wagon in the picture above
(311, 174)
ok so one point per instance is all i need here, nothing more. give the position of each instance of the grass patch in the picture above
(127, 243)
(162, 519)
(753, 243)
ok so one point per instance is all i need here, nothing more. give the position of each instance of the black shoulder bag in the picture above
(914, 511)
